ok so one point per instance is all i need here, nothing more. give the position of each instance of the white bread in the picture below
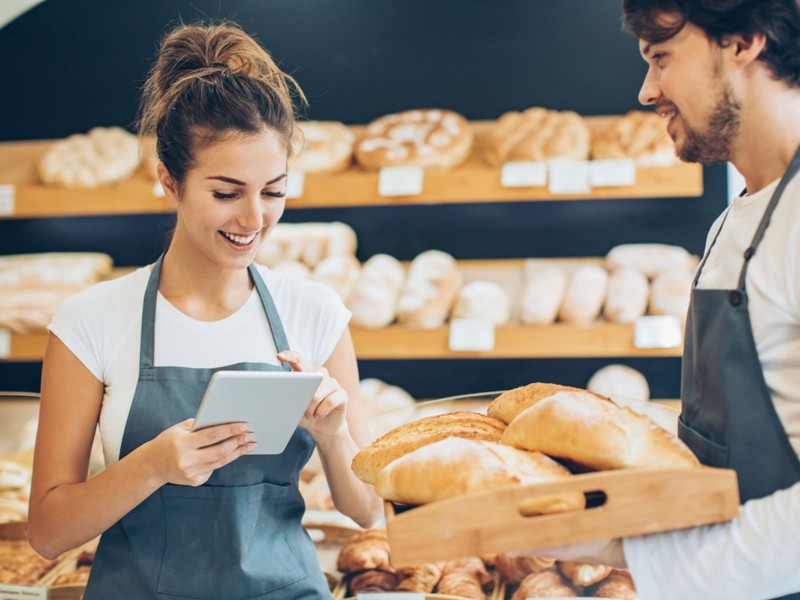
(373, 300)
(369, 462)
(639, 136)
(455, 466)
(429, 291)
(670, 293)
(585, 295)
(619, 381)
(385, 406)
(428, 138)
(307, 242)
(338, 272)
(627, 297)
(512, 402)
(596, 433)
(322, 147)
(483, 300)
(53, 269)
(650, 259)
(542, 296)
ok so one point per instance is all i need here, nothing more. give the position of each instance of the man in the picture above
(726, 76)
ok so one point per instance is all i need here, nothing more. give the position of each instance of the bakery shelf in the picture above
(473, 182)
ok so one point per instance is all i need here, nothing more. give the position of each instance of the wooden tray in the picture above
(633, 502)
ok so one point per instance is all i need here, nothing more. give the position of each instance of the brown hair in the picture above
(210, 81)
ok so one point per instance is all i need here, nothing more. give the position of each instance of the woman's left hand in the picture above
(325, 414)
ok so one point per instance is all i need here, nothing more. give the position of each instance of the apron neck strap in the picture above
(275, 324)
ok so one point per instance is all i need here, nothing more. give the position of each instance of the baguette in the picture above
(509, 404)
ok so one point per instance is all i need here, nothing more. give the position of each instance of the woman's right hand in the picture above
(185, 457)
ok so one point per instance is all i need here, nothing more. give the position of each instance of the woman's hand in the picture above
(325, 415)
(185, 457)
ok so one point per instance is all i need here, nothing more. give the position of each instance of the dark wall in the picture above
(73, 64)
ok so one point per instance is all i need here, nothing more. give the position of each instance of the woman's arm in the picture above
(66, 509)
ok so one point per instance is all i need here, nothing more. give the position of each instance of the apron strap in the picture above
(149, 316)
(713, 243)
(278, 333)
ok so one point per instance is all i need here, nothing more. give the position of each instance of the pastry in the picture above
(545, 584)
(513, 569)
(367, 549)
(583, 574)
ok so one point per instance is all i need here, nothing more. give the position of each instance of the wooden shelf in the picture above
(475, 181)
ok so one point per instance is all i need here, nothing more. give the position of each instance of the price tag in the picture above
(569, 177)
(5, 343)
(400, 181)
(7, 195)
(658, 332)
(158, 191)
(294, 184)
(612, 172)
(523, 174)
(390, 596)
(471, 335)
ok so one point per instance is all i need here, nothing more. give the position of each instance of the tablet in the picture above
(273, 402)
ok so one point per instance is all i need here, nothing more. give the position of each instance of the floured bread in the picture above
(639, 136)
(322, 147)
(307, 242)
(670, 293)
(650, 259)
(13, 475)
(430, 290)
(428, 138)
(627, 296)
(50, 269)
(369, 462)
(104, 155)
(596, 433)
(373, 300)
(542, 296)
(455, 466)
(339, 273)
(509, 404)
(585, 295)
(619, 381)
(484, 300)
(537, 134)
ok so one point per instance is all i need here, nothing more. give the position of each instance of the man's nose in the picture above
(650, 91)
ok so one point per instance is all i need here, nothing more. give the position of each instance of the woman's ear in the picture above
(169, 184)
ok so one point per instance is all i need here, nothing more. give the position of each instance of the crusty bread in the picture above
(509, 404)
(369, 462)
(455, 466)
(322, 147)
(627, 297)
(596, 433)
(638, 135)
(430, 290)
(585, 295)
(484, 300)
(542, 296)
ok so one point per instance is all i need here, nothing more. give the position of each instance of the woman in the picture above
(187, 513)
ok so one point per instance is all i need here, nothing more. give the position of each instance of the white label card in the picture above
(400, 181)
(5, 343)
(390, 596)
(294, 184)
(7, 200)
(612, 173)
(523, 174)
(471, 335)
(569, 177)
(158, 191)
(10, 591)
(658, 332)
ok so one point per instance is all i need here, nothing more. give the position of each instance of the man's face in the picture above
(688, 83)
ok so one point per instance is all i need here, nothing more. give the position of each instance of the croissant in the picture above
(546, 584)
(583, 573)
(421, 578)
(374, 580)
(461, 583)
(365, 550)
(618, 584)
(513, 569)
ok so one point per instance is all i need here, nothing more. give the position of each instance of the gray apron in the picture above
(236, 537)
(728, 417)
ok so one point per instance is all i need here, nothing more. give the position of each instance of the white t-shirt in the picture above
(102, 327)
(757, 555)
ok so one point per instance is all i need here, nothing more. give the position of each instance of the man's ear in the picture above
(747, 48)
(169, 184)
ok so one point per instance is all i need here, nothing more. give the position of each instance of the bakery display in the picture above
(428, 138)
(369, 462)
(430, 290)
(483, 300)
(373, 299)
(618, 584)
(322, 147)
(537, 134)
(596, 433)
(102, 156)
(20, 564)
(639, 136)
(619, 381)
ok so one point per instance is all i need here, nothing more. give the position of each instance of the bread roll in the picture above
(369, 462)
(473, 565)
(430, 290)
(542, 296)
(461, 584)
(585, 295)
(368, 549)
(339, 273)
(513, 569)
(420, 578)
(546, 584)
(596, 433)
(373, 580)
(484, 300)
(456, 466)
(640, 136)
(428, 138)
(322, 147)
(619, 381)
(583, 574)
(627, 297)
(670, 293)
(650, 259)
(373, 300)
(619, 585)
(509, 404)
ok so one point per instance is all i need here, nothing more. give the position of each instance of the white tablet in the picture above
(273, 402)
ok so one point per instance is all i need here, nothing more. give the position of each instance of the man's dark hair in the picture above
(778, 20)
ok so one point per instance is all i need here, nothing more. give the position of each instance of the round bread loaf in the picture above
(322, 147)
(620, 381)
(369, 462)
(428, 138)
(430, 290)
(509, 404)
(373, 300)
(639, 136)
(484, 300)
(456, 466)
(594, 432)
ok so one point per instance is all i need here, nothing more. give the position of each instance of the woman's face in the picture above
(232, 198)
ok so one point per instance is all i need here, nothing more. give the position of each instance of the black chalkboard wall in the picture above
(69, 65)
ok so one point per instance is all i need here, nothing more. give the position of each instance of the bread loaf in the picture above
(456, 466)
(369, 462)
(546, 584)
(322, 147)
(619, 381)
(373, 300)
(430, 290)
(583, 574)
(461, 584)
(542, 296)
(585, 295)
(627, 297)
(368, 549)
(484, 300)
(596, 433)
(640, 136)
(618, 584)
(420, 578)
(670, 293)
(513, 569)
(472, 565)
(650, 259)
(509, 404)
(339, 273)
(307, 242)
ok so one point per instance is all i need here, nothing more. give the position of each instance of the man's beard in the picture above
(715, 142)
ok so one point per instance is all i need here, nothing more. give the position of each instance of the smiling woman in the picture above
(180, 513)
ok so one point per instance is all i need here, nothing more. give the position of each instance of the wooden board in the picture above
(475, 181)
(638, 501)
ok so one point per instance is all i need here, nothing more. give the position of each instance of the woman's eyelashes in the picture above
(234, 195)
